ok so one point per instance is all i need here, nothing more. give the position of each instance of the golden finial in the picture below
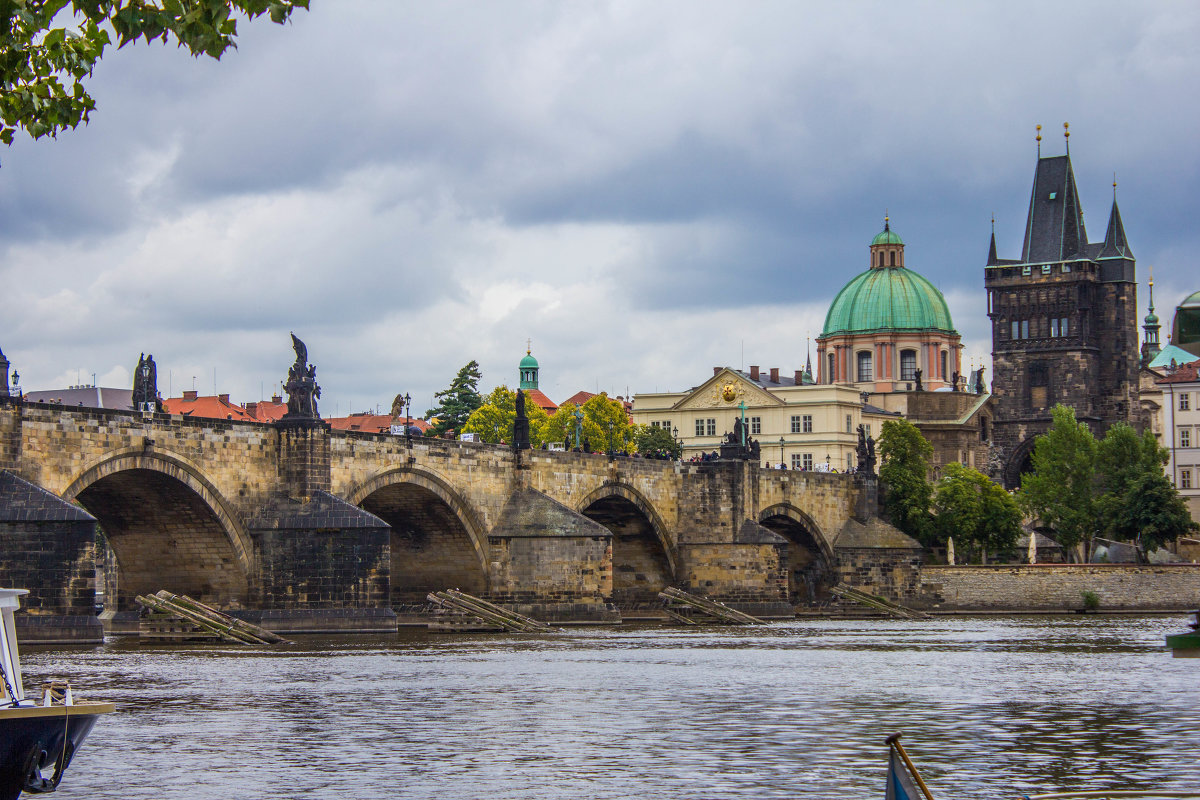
(1039, 133)
(1152, 276)
(1067, 135)
(528, 346)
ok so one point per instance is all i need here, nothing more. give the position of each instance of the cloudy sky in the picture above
(644, 189)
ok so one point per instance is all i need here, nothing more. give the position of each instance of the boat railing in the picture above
(1107, 794)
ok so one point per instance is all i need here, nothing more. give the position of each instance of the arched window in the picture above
(983, 428)
(864, 366)
(908, 365)
(881, 258)
(893, 258)
(944, 373)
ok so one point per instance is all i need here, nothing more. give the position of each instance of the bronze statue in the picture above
(954, 382)
(917, 376)
(521, 424)
(145, 385)
(979, 381)
(301, 385)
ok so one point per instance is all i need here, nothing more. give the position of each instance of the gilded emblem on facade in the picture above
(729, 393)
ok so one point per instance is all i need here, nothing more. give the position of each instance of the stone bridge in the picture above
(304, 526)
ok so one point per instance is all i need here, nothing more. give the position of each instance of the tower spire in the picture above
(1150, 344)
(993, 259)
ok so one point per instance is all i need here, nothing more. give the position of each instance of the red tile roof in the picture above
(1184, 373)
(541, 400)
(207, 407)
(579, 398)
(267, 410)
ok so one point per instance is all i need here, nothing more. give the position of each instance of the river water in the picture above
(989, 707)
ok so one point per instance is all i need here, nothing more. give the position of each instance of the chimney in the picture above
(252, 409)
(799, 377)
(190, 395)
(224, 398)
(276, 399)
(753, 373)
(716, 370)
(774, 374)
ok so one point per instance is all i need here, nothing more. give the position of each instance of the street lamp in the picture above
(781, 464)
(678, 441)
(611, 449)
(407, 420)
(827, 465)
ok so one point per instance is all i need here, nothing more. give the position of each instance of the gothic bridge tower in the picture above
(1064, 327)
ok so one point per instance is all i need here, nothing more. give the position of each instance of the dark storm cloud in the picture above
(644, 189)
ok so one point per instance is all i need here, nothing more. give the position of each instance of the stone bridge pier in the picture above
(307, 529)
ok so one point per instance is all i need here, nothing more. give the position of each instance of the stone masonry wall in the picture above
(322, 569)
(55, 561)
(893, 573)
(734, 573)
(551, 569)
(1060, 587)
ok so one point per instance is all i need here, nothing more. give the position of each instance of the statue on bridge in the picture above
(917, 377)
(521, 424)
(865, 452)
(145, 385)
(301, 385)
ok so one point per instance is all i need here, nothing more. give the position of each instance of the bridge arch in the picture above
(810, 557)
(438, 540)
(169, 526)
(643, 555)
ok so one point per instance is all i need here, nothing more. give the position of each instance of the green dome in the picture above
(1192, 299)
(1152, 318)
(895, 299)
(886, 236)
(529, 362)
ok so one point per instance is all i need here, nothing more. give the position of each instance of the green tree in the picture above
(976, 511)
(48, 48)
(904, 471)
(494, 420)
(1060, 491)
(457, 402)
(655, 442)
(605, 424)
(1153, 513)
(560, 426)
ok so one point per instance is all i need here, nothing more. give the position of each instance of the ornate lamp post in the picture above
(678, 441)
(611, 447)
(827, 464)
(781, 463)
(407, 420)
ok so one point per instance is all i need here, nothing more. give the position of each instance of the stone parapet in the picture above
(1060, 587)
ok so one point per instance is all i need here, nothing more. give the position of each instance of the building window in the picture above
(796, 462)
(1024, 329)
(711, 426)
(1185, 437)
(1185, 479)
(1066, 267)
(1185, 402)
(867, 428)
(830, 372)
(755, 426)
(1053, 327)
(892, 259)
(849, 424)
(807, 423)
(795, 424)
(908, 365)
(864, 366)
(1046, 268)
(1039, 389)
(944, 373)
(1062, 326)
(699, 427)
(1024, 270)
